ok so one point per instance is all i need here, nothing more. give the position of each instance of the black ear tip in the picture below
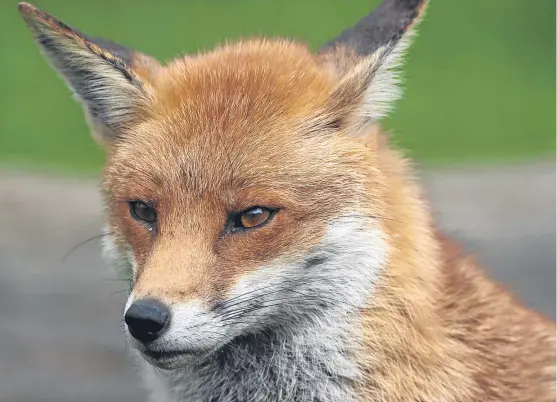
(384, 26)
(413, 4)
(421, 7)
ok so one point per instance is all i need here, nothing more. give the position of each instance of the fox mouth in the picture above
(166, 354)
(175, 359)
(172, 359)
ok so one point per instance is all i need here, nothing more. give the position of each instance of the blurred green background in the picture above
(479, 80)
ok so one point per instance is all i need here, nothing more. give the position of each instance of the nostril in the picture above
(147, 319)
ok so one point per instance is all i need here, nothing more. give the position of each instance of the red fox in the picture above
(279, 247)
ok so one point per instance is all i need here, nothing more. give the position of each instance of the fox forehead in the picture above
(279, 76)
(237, 118)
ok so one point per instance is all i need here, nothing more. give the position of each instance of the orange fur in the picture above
(243, 125)
(439, 328)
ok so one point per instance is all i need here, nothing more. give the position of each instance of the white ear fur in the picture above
(379, 73)
(109, 97)
(99, 73)
(366, 59)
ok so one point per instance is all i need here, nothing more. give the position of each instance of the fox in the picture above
(278, 245)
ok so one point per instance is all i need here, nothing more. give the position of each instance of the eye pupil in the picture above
(142, 211)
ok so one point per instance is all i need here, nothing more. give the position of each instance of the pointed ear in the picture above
(111, 81)
(364, 59)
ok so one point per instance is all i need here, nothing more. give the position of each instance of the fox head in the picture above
(242, 186)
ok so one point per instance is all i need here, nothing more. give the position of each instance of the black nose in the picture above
(147, 319)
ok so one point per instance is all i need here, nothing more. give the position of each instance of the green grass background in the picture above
(479, 81)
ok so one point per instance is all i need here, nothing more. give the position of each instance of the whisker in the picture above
(232, 315)
(74, 248)
(119, 291)
(227, 304)
(118, 280)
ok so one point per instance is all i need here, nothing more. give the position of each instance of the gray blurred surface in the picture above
(60, 324)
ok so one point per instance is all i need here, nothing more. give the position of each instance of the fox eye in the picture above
(252, 218)
(143, 212)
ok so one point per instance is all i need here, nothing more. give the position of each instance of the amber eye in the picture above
(142, 212)
(252, 218)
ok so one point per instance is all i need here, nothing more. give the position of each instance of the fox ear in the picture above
(365, 59)
(111, 81)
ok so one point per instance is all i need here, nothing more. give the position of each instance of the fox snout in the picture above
(147, 319)
(167, 335)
